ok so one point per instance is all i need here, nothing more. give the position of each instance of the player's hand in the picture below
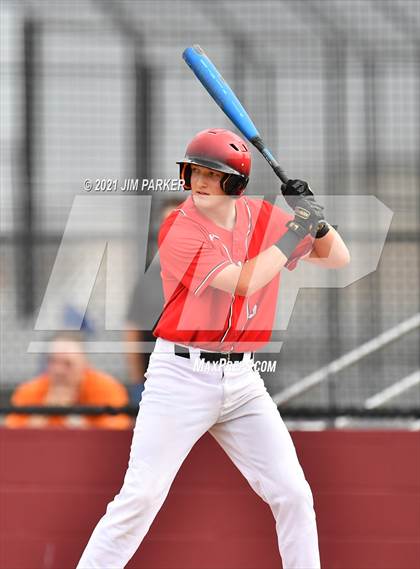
(293, 190)
(308, 216)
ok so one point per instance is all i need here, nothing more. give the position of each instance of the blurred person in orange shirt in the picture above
(70, 380)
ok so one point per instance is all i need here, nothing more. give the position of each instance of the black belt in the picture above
(211, 356)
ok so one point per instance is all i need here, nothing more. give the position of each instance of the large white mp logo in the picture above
(363, 222)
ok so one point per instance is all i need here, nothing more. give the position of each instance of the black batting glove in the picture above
(292, 190)
(295, 189)
(308, 216)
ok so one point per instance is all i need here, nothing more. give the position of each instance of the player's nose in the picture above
(202, 180)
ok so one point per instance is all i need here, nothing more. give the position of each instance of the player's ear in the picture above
(233, 185)
(185, 174)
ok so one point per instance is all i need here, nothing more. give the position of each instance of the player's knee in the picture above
(142, 499)
(296, 497)
(299, 497)
(141, 489)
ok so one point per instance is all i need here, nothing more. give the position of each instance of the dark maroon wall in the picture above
(55, 485)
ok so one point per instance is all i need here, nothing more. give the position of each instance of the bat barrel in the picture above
(209, 76)
(211, 79)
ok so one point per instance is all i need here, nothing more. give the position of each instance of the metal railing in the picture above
(354, 356)
(295, 413)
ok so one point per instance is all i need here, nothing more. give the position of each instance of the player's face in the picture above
(205, 183)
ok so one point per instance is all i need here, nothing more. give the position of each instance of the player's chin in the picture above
(202, 198)
(207, 199)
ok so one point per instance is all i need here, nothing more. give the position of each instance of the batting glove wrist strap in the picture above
(290, 240)
(323, 228)
(308, 216)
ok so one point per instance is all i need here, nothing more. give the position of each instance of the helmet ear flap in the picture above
(233, 185)
(185, 174)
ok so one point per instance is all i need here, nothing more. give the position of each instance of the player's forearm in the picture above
(253, 275)
(260, 270)
(330, 251)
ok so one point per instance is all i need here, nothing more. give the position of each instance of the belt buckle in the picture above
(226, 355)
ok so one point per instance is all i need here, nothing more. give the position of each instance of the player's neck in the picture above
(222, 214)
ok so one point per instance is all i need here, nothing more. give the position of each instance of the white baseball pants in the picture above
(178, 406)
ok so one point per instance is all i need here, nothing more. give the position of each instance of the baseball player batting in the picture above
(222, 255)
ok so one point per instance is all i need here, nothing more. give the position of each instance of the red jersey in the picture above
(193, 250)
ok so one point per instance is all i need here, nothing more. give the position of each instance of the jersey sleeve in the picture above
(278, 221)
(188, 255)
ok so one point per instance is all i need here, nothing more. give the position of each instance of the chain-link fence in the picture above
(98, 90)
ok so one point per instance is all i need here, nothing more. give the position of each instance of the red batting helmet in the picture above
(222, 150)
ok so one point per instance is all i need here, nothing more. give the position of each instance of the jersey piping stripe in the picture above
(230, 319)
(232, 298)
(209, 275)
(223, 263)
(223, 245)
(246, 254)
(249, 228)
(213, 269)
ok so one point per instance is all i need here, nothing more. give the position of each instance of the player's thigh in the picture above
(175, 411)
(258, 442)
